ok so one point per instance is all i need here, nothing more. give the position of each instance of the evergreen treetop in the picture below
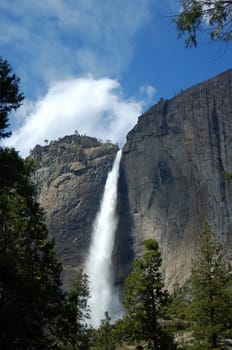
(146, 298)
(211, 291)
(10, 96)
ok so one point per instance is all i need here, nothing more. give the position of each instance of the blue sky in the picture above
(96, 65)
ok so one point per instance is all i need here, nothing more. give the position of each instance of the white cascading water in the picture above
(103, 297)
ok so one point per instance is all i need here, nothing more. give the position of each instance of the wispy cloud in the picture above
(57, 38)
(95, 107)
(149, 92)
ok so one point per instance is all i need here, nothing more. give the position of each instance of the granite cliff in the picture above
(172, 177)
(70, 178)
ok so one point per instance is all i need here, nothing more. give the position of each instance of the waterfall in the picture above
(99, 269)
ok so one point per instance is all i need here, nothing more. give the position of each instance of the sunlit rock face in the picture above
(70, 177)
(172, 176)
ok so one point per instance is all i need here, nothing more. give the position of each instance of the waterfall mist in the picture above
(103, 297)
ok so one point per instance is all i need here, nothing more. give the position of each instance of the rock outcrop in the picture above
(70, 177)
(173, 176)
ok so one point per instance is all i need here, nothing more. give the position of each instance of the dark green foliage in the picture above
(166, 339)
(121, 332)
(145, 297)
(72, 331)
(34, 312)
(104, 337)
(196, 15)
(178, 309)
(30, 292)
(10, 97)
(211, 292)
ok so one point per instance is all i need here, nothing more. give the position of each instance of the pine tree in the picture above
(31, 300)
(30, 294)
(104, 336)
(30, 291)
(211, 292)
(72, 330)
(146, 297)
(10, 97)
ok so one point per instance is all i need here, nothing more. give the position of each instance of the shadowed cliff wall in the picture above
(172, 174)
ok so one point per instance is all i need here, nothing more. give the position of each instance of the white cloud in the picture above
(95, 107)
(149, 91)
(57, 39)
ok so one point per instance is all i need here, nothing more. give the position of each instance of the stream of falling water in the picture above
(99, 269)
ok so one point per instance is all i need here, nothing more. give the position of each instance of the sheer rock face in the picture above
(70, 177)
(171, 179)
(172, 176)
